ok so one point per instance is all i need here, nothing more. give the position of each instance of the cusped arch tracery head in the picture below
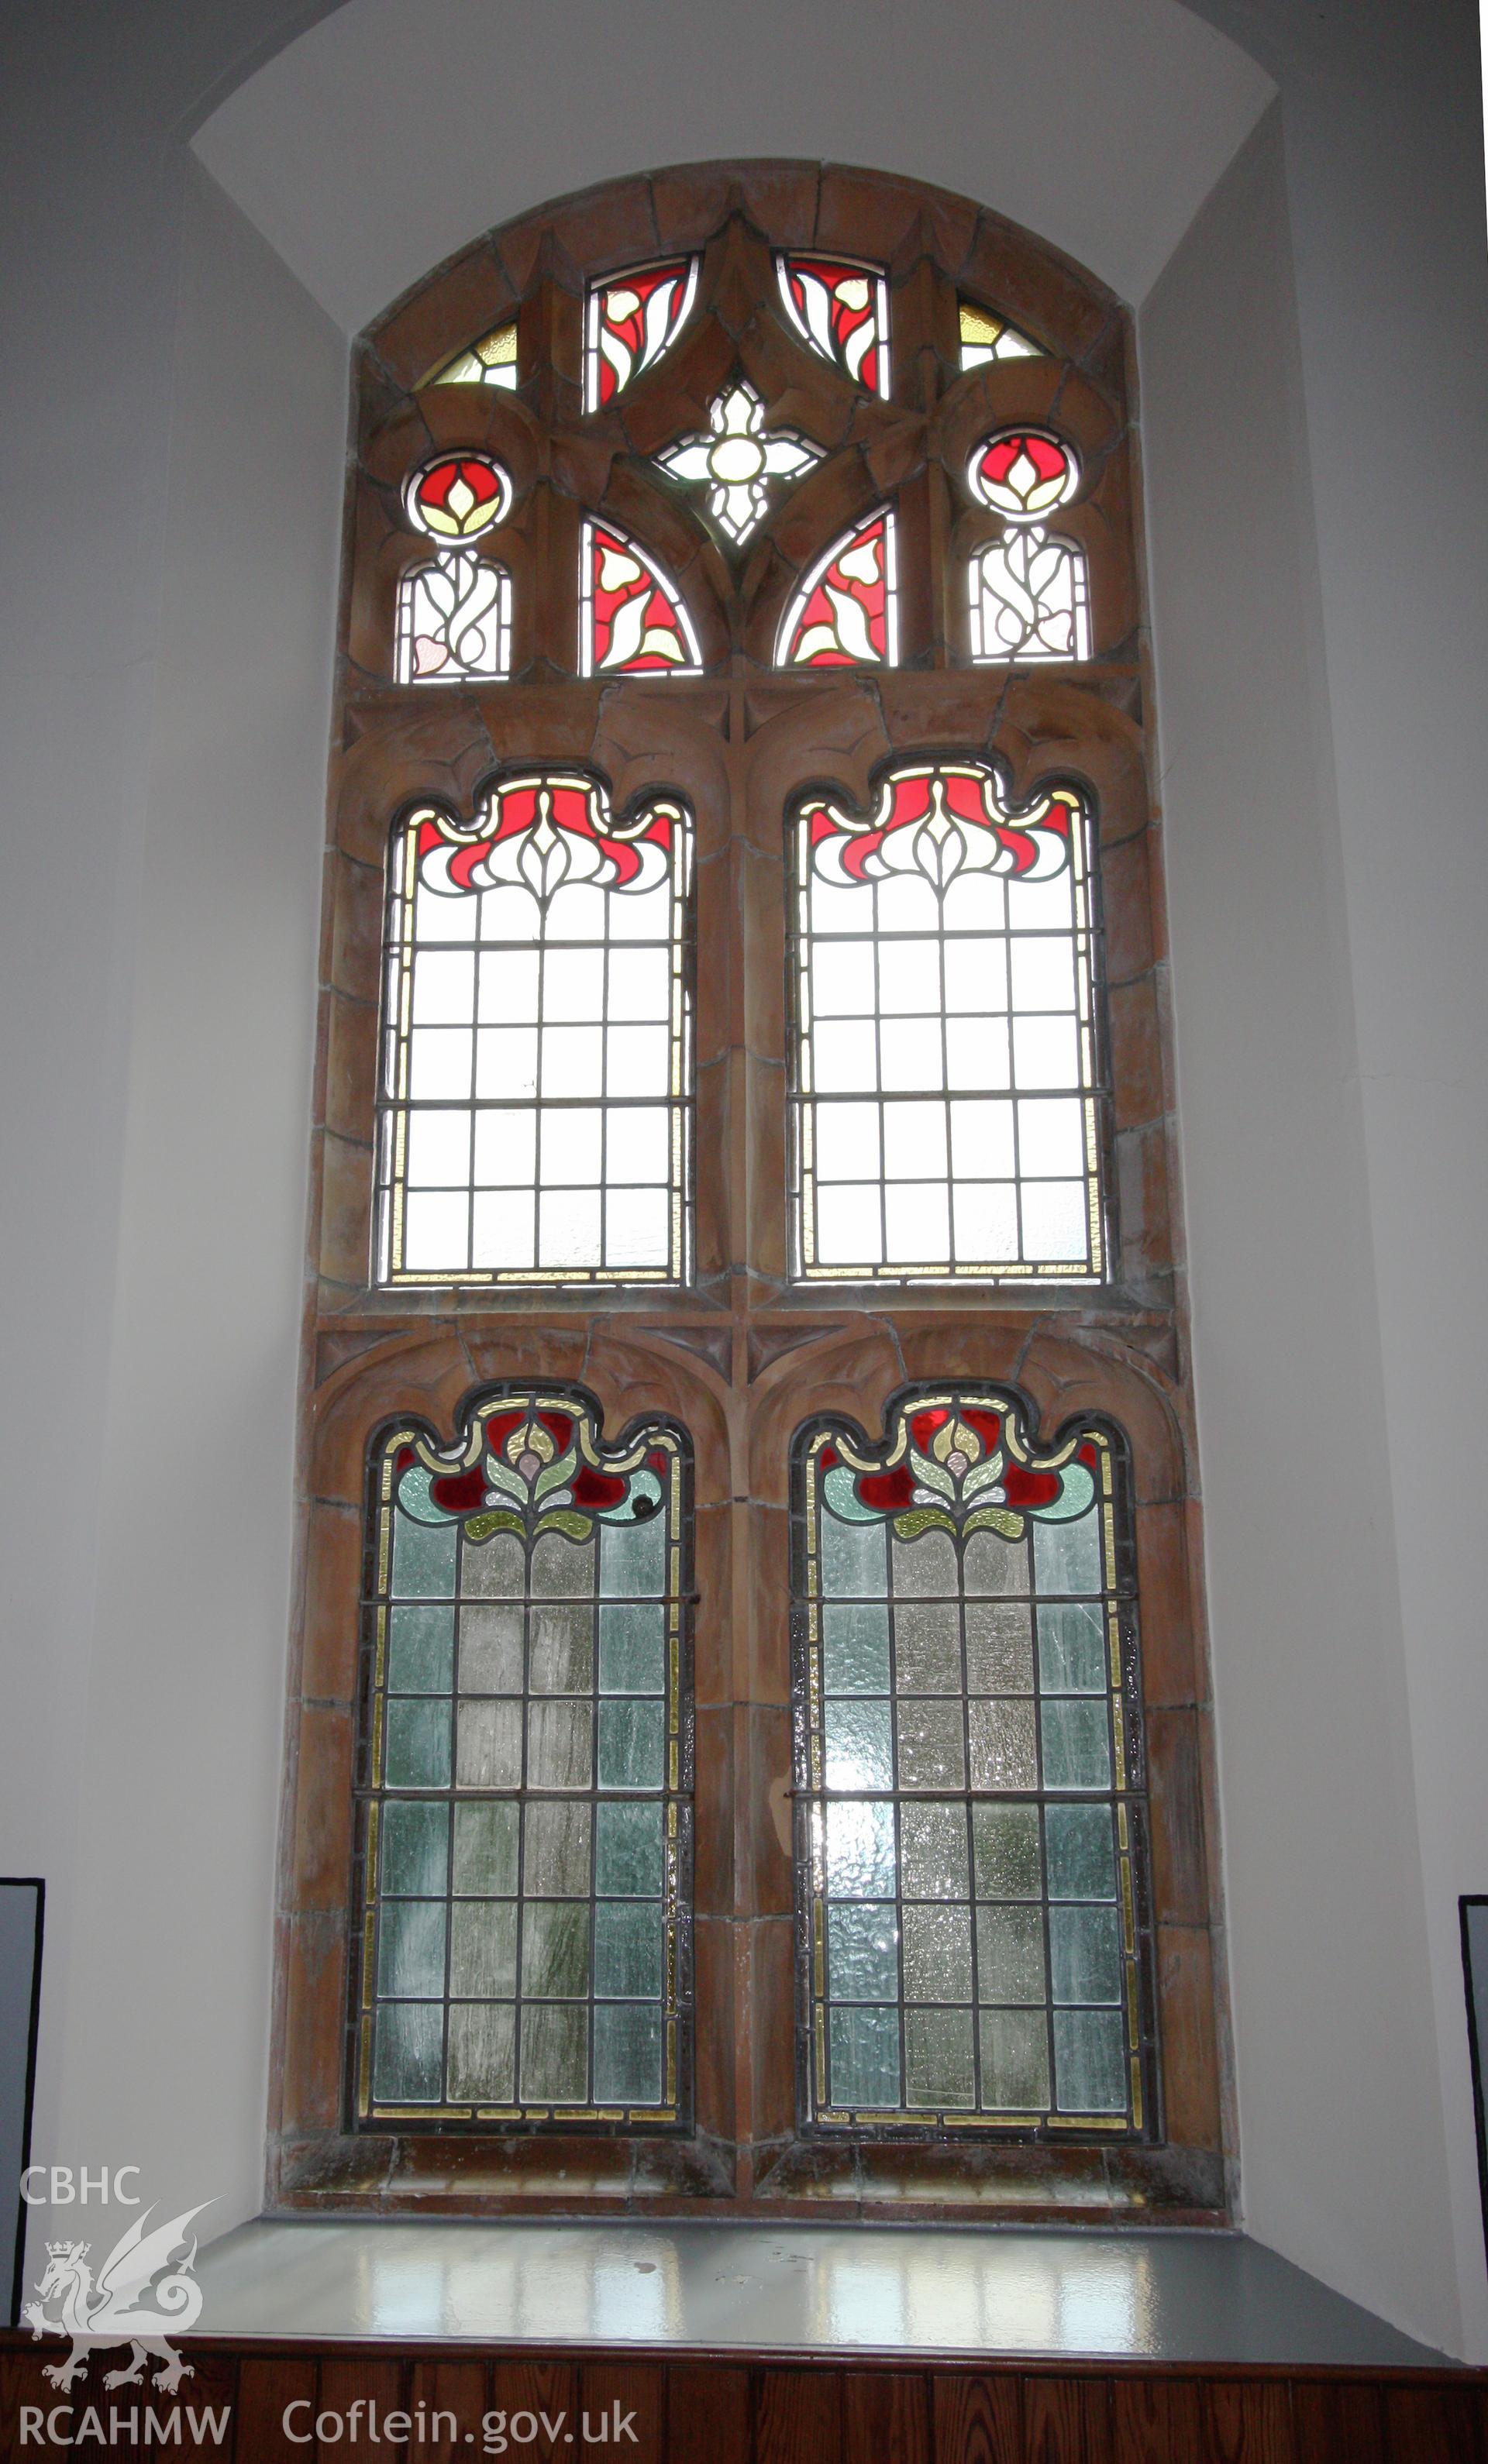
(897, 439)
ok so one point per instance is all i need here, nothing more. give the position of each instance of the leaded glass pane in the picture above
(973, 1942)
(526, 1774)
(535, 1117)
(946, 1105)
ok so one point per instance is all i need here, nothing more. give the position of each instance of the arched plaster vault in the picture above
(393, 133)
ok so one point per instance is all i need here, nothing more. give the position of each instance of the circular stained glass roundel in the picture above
(457, 495)
(1023, 473)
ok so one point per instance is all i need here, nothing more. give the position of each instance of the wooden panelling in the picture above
(555, 2407)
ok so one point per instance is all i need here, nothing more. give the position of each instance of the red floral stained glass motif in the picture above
(1023, 474)
(457, 497)
(1030, 592)
(842, 311)
(632, 620)
(939, 820)
(846, 612)
(632, 317)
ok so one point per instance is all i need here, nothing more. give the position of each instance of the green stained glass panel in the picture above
(865, 2060)
(423, 1558)
(1072, 1653)
(416, 1847)
(860, 1850)
(1089, 2061)
(628, 2049)
(1067, 1555)
(421, 1650)
(859, 1749)
(855, 1648)
(854, 1560)
(863, 1961)
(632, 1744)
(409, 2056)
(1077, 1743)
(1082, 1852)
(410, 1948)
(1085, 1954)
(633, 1648)
(628, 1851)
(419, 1745)
(633, 1559)
(627, 1950)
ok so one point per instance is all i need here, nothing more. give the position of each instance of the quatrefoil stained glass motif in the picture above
(735, 461)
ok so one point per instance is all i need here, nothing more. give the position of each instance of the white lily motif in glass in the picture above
(738, 460)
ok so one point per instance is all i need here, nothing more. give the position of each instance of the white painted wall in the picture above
(169, 660)
(161, 773)
(1342, 2156)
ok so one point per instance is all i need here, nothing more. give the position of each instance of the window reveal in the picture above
(972, 1923)
(946, 1100)
(526, 1774)
(535, 1117)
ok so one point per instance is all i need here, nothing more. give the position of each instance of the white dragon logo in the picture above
(109, 2312)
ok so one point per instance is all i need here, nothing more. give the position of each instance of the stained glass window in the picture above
(632, 619)
(535, 1117)
(1030, 596)
(526, 1773)
(845, 612)
(455, 615)
(972, 1917)
(490, 361)
(946, 1097)
(842, 309)
(630, 319)
(738, 458)
(985, 337)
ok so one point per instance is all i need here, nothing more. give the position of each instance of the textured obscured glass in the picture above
(963, 1737)
(945, 1104)
(529, 1775)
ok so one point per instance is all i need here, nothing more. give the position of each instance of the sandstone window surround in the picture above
(742, 1355)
